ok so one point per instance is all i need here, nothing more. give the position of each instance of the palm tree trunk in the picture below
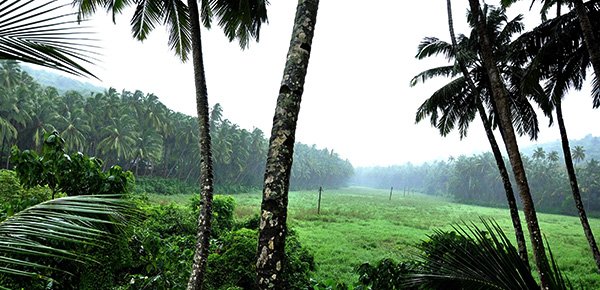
(206, 175)
(500, 99)
(273, 228)
(510, 196)
(591, 42)
(574, 186)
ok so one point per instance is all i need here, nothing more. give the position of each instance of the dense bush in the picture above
(14, 198)
(74, 174)
(232, 262)
(386, 274)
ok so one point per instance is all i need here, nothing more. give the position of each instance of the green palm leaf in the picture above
(481, 258)
(177, 19)
(241, 20)
(42, 33)
(37, 230)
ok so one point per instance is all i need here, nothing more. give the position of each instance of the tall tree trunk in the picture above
(501, 101)
(273, 228)
(206, 174)
(510, 196)
(591, 41)
(574, 186)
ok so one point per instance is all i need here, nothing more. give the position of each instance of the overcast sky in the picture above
(357, 98)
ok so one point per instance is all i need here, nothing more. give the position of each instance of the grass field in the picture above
(359, 225)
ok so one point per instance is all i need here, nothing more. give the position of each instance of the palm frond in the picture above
(147, 15)
(43, 33)
(481, 258)
(431, 46)
(443, 71)
(240, 19)
(37, 230)
(177, 19)
(89, 7)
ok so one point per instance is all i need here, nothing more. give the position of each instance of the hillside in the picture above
(590, 143)
(60, 82)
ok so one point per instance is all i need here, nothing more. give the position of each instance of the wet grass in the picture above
(359, 225)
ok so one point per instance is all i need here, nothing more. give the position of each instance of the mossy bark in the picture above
(206, 174)
(273, 228)
(501, 101)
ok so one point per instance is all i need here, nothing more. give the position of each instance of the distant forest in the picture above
(475, 179)
(138, 132)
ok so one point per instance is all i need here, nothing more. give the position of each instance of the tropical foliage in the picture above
(474, 179)
(110, 126)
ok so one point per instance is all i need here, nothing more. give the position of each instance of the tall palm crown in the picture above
(239, 20)
(455, 104)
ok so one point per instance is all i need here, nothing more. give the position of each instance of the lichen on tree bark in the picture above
(273, 227)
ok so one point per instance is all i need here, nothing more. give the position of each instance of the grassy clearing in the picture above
(359, 225)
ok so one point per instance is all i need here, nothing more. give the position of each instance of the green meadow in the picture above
(358, 225)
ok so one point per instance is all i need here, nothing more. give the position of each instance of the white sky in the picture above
(356, 100)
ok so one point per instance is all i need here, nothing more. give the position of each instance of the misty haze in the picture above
(306, 144)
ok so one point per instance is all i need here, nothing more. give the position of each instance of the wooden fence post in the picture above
(391, 190)
(319, 202)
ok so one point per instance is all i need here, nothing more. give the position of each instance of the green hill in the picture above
(60, 82)
(590, 143)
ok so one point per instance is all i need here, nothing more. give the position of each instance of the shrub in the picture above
(386, 274)
(232, 262)
(223, 207)
(75, 174)
(14, 198)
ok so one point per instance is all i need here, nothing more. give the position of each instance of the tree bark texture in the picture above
(501, 101)
(273, 228)
(510, 196)
(591, 41)
(574, 186)
(206, 174)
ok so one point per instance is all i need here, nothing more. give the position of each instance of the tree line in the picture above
(474, 180)
(138, 132)
(496, 71)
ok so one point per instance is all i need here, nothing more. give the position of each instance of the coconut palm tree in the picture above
(501, 100)
(578, 153)
(463, 98)
(273, 225)
(587, 32)
(561, 62)
(239, 20)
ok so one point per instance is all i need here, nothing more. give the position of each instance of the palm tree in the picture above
(240, 20)
(462, 99)
(578, 153)
(273, 226)
(588, 34)
(43, 33)
(501, 101)
(562, 63)
(539, 153)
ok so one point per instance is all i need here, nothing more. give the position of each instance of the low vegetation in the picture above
(359, 225)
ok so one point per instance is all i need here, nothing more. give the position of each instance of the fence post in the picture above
(391, 190)
(319, 202)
